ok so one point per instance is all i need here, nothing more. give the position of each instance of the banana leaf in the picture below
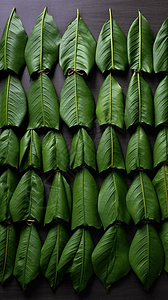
(111, 50)
(8, 246)
(140, 45)
(164, 239)
(27, 262)
(43, 106)
(160, 148)
(59, 201)
(9, 148)
(82, 150)
(30, 151)
(160, 58)
(12, 44)
(77, 47)
(109, 152)
(139, 154)
(161, 102)
(141, 199)
(85, 198)
(139, 102)
(76, 259)
(42, 48)
(54, 152)
(110, 256)
(8, 183)
(13, 103)
(146, 255)
(110, 103)
(76, 102)
(53, 246)
(160, 183)
(27, 201)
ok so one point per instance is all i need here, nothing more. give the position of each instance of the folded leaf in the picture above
(164, 239)
(12, 44)
(160, 183)
(160, 58)
(110, 256)
(141, 199)
(161, 102)
(160, 152)
(9, 148)
(110, 103)
(146, 255)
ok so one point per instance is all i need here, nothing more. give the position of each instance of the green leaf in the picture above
(30, 151)
(111, 51)
(164, 239)
(110, 256)
(160, 183)
(77, 47)
(43, 106)
(54, 152)
(8, 183)
(82, 150)
(13, 103)
(139, 154)
(85, 198)
(160, 58)
(139, 102)
(76, 102)
(139, 45)
(41, 51)
(27, 262)
(112, 199)
(59, 201)
(9, 148)
(8, 245)
(146, 255)
(109, 153)
(161, 102)
(110, 103)
(53, 246)
(12, 44)
(160, 148)
(28, 198)
(76, 259)
(141, 199)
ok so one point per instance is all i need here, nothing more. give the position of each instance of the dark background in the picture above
(94, 14)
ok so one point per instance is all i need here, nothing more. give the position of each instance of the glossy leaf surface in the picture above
(160, 148)
(164, 239)
(9, 148)
(161, 102)
(160, 58)
(160, 183)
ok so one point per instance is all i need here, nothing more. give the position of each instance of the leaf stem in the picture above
(111, 36)
(140, 40)
(76, 39)
(41, 42)
(6, 37)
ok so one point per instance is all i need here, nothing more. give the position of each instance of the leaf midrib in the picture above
(41, 40)
(165, 185)
(6, 251)
(25, 261)
(143, 195)
(6, 38)
(140, 41)
(7, 98)
(111, 40)
(83, 256)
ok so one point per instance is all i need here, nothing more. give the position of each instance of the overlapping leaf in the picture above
(164, 239)
(9, 148)
(160, 57)
(160, 183)
(160, 149)
(161, 102)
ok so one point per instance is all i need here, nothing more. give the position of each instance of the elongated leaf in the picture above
(110, 103)
(43, 106)
(13, 105)
(41, 51)
(161, 102)
(110, 256)
(146, 255)
(28, 198)
(76, 259)
(111, 51)
(82, 150)
(27, 262)
(160, 148)
(77, 47)
(59, 202)
(54, 152)
(85, 198)
(141, 199)
(112, 199)
(109, 153)
(164, 239)
(12, 44)
(9, 148)
(160, 58)
(138, 155)
(160, 183)
(30, 151)
(139, 102)
(8, 183)
(76, 102)
(8, 245)
(139, 45)
(54, 244)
